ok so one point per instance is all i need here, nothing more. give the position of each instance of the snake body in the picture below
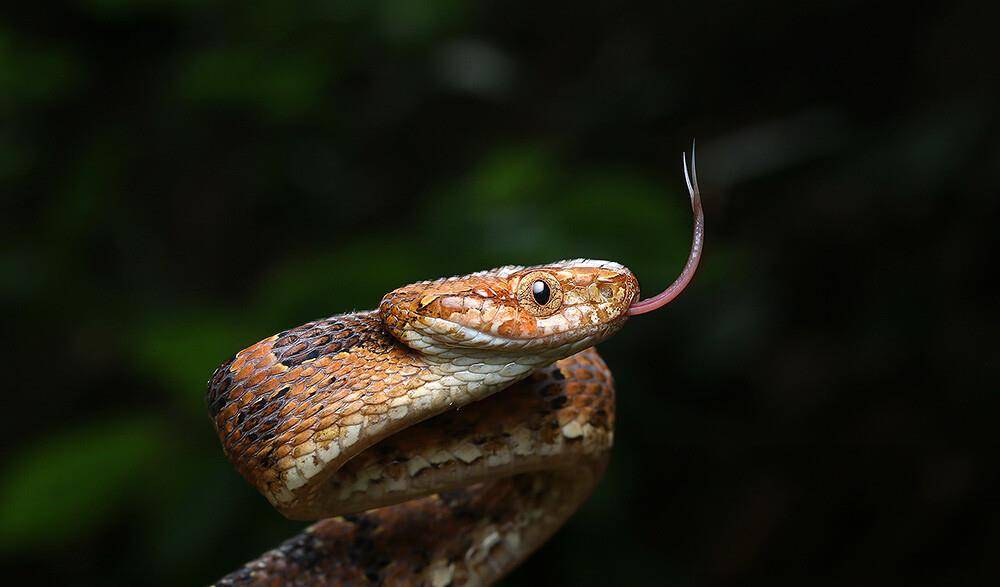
(440, 438)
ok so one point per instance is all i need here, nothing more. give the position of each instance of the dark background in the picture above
(181, 179)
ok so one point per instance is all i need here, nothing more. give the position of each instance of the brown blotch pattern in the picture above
(275, 395)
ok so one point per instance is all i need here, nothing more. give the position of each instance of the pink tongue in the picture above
(697, 243)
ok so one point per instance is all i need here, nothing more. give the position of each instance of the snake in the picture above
(441, 438)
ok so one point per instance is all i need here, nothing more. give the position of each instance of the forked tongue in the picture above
(698, 240)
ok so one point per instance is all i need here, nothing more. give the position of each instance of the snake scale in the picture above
(387, 425)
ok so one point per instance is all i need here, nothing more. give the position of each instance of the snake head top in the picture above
(552, 308)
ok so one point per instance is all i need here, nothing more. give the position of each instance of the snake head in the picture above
(549, 310)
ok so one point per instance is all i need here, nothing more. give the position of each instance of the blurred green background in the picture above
(180, 179)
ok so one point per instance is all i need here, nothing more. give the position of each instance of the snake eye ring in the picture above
(539, 293)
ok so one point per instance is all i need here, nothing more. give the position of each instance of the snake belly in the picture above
(442, 460)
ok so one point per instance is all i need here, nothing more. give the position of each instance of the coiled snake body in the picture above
(355, 420)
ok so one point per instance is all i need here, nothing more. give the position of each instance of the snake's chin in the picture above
(443, 335)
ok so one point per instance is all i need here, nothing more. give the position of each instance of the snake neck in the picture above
(466, 378)
(469, 374)
(292, 409)
(462, 375)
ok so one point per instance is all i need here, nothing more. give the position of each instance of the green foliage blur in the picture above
(180, 179)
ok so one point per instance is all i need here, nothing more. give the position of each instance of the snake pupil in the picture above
(540, 291)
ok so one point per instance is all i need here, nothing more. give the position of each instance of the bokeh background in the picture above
(180, 179)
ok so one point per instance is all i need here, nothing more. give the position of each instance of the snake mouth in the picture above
(694, 257)
(560, 343)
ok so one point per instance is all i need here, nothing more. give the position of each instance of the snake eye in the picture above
(540, 291)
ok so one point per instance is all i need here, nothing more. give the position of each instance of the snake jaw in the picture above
(437, 337)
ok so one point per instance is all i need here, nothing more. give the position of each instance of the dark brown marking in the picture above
(218, 386)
